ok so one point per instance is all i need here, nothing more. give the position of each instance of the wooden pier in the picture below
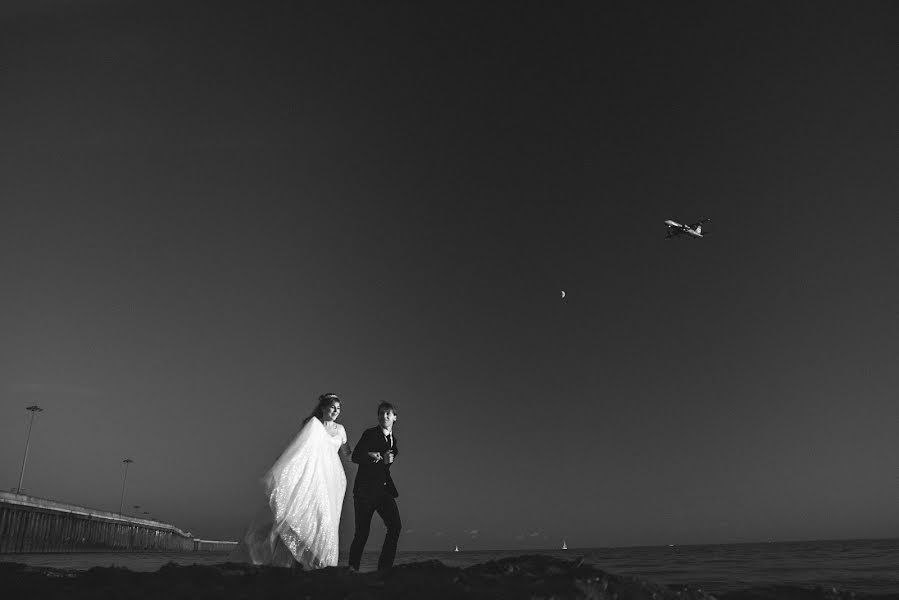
(29, 524)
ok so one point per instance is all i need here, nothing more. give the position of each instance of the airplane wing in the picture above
(673, 231)
(697, 223)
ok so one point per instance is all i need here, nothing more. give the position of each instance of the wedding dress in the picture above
(305, 489)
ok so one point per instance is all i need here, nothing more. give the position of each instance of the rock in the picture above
(525, 577)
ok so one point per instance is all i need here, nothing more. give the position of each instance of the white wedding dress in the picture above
(305, 489)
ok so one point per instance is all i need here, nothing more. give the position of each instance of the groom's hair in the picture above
(384, 407)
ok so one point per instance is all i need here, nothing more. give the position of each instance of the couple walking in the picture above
(305, 489)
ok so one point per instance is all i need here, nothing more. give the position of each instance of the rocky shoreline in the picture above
(526, 577)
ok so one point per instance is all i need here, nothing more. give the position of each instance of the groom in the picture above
(374, 490)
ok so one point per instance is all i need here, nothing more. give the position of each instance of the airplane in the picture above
(675, 228)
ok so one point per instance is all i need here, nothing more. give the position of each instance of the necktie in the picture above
(389, 441)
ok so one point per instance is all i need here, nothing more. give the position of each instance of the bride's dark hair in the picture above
(324, 401)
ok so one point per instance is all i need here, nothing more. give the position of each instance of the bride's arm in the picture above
(344, 451)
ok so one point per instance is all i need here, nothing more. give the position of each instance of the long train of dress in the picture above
(305, 489)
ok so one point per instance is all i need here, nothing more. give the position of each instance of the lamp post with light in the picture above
(126, 462)
(32, 409)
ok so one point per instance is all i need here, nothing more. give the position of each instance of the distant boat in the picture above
(564, 545)
(457, 548)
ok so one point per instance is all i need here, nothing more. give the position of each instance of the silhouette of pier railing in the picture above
(31, 524)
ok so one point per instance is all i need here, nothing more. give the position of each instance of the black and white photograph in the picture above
(436, 300)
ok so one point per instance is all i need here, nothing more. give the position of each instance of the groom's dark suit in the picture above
(374, 491)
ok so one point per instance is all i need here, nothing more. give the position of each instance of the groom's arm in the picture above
(360, 452)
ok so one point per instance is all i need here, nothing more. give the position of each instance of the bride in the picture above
(305, 489)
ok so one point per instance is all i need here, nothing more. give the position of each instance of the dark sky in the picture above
(212, 212)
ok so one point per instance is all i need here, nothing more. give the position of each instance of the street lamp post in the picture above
(126, 462)
(33, 409)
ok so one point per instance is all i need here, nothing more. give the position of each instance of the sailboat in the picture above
(457, 548)
(564, 545)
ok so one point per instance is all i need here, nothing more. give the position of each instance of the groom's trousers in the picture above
(365, 508)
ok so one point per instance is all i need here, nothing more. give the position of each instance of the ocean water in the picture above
(867, 566)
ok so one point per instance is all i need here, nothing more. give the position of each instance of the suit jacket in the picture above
(373, 478)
